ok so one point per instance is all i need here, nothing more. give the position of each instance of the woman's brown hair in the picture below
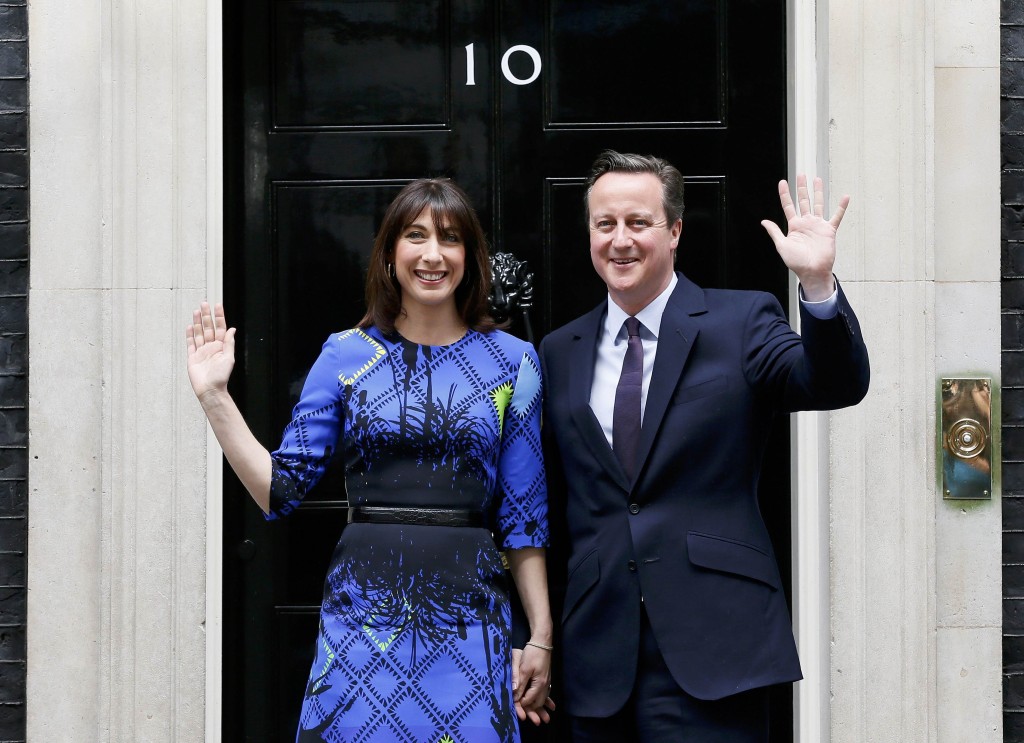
(449, 208)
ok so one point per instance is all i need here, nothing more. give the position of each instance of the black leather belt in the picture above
(415, 516)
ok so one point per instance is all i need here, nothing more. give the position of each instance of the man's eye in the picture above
(641, 223)
(603, 224)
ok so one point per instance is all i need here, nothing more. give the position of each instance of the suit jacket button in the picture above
(631, 565)
(634, 508)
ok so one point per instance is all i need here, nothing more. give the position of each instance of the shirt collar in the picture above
(649, 316)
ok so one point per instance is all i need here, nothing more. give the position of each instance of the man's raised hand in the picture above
(809, 246)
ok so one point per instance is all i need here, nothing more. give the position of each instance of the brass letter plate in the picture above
(966, 439)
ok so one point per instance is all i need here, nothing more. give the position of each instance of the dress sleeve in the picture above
(522, 516)
(310, 440)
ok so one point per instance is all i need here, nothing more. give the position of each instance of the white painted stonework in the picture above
(913, 110)
(117, 525)
(897, 591)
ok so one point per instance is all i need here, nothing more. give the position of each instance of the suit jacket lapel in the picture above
(675, 340)
(583, 348)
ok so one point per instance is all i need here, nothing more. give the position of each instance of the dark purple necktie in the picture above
(626, 418)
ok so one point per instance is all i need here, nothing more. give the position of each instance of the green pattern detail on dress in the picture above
(375, 638)
(501, 396)
(375, 350)
(328, 660)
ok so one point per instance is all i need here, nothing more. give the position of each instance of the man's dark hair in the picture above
(671, 179)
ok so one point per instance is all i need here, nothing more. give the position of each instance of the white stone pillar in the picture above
(968, 536)
(913, 97)
(117, 527)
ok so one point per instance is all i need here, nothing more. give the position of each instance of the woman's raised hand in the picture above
(211, 350)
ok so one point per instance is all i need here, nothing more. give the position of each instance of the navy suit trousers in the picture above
(658, 711)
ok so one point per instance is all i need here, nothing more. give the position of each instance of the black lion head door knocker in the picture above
(511, 291)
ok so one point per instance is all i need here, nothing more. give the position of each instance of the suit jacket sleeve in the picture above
(824, 368)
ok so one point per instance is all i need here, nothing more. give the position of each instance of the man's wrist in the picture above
(824, 309)
(818, 289)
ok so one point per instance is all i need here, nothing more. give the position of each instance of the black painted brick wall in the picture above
(1012, 176)
(13, 364)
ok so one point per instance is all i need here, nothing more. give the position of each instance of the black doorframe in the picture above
(235, 543)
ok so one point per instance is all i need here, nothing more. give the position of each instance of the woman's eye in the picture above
(414, 235)
(451, 237)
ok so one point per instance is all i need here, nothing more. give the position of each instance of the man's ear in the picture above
(676, 230)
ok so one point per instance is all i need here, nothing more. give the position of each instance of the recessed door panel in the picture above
(321, 237)
(636, 64)
(345, 64)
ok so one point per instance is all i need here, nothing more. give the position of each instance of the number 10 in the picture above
(529, 50)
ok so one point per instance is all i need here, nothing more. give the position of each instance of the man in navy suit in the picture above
(674, 619)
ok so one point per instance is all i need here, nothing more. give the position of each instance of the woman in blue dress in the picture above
(437, 415)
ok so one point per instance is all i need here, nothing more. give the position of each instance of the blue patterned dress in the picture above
(414, 626)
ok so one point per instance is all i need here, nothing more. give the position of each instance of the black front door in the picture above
(332, 105)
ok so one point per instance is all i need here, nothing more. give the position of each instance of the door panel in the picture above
(635, 55)
(330, 71)
(332, 105)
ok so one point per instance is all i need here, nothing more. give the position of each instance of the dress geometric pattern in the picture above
(414, 626)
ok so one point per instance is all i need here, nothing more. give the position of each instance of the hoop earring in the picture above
(391, 270)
